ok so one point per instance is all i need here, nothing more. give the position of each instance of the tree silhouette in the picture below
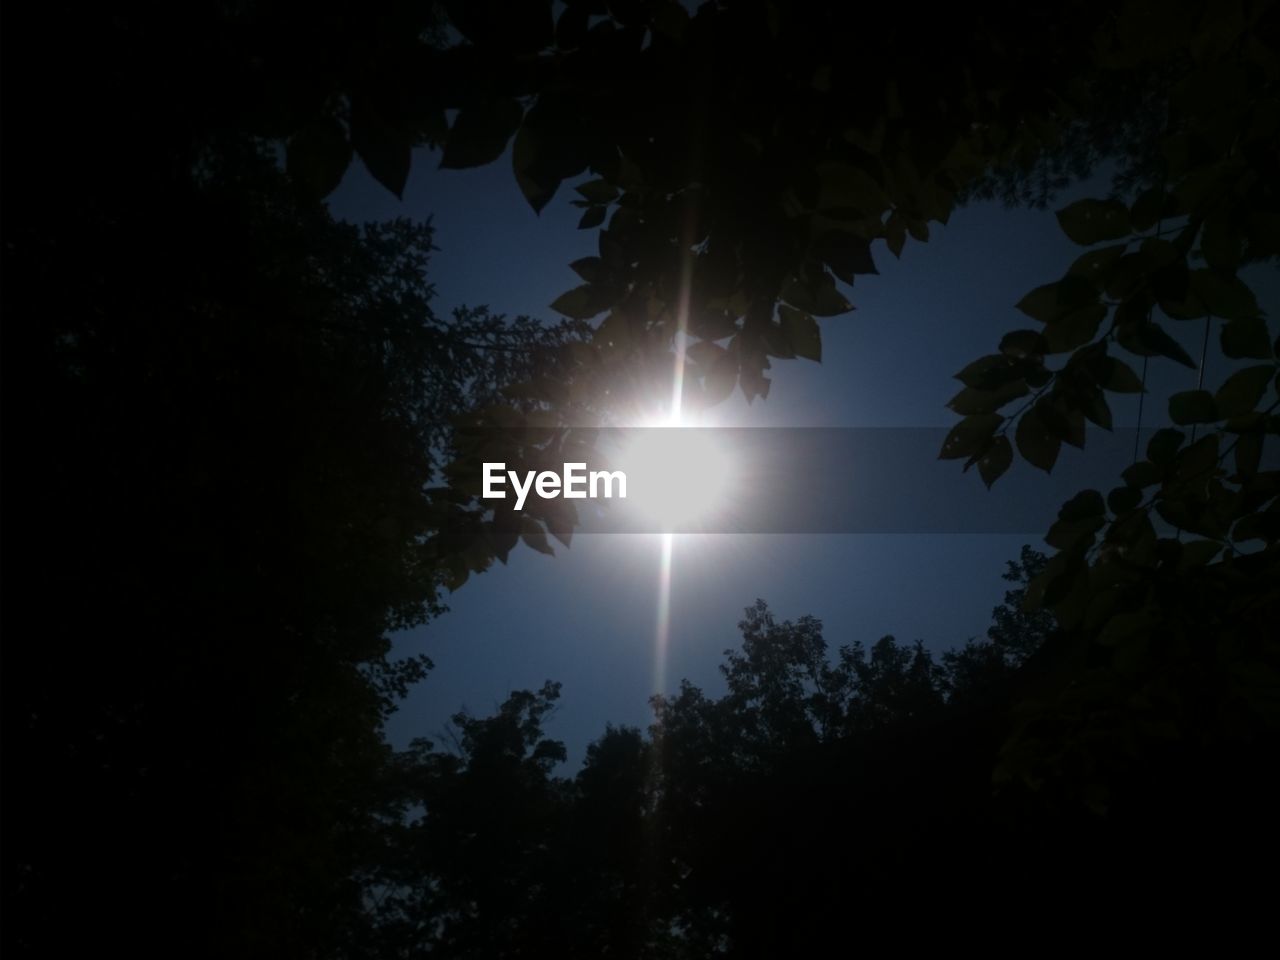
(752, 823)
(222, 449)
(735, 827)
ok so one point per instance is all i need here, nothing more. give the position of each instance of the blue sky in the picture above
(588, 616)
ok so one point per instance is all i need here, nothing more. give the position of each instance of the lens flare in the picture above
(677, 478)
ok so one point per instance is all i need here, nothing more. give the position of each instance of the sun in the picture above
(678, 475)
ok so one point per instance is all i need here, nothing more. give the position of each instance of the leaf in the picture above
(537, 181)
(1123, 499)
(1096, 265)
(1024, 343)
(1226, 297)
(1041, 303)
(847, 254)
(1092, 221)
(1084, 505)
(1075, 329)
(457, 575)
(533, 535)
(776, 342)
(504, 532)
(480, 133)
(1246, 338)
(751, 377)
(1192, 406)
(1198, 460)
(592, 218)
(612, 250)
(1037, 375)
(1158, 254)
(895, 234)
(509, 27)
(1150, 340)
(704, 352)
(1248, 454)
(1067, 534)
(1221, 243)
(802, 331)
(988, 372)
(671, 20)
(1038, 445)
(969, 436)
(1164, 445)
(385, 149)
(972, 400)
(1243, 390)
(1198, 553)
(1149, 208)
(996, 460)
(1118, 377)
(1062, 420)
(843, 186)
(580, 303)
(1263, 526)
(598, 191)
(561, 516)
(1097, 410)
(588, 268)
(1188, 308)
(1127, 276)
(818, 297)
(1051, 302)
(318, 156)
(720, 378)
(1144, 473)
(571, 28)
(1171, 286)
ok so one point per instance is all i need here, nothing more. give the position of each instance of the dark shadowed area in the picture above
(937, 349)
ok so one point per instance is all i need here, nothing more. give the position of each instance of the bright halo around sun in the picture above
(678, 478)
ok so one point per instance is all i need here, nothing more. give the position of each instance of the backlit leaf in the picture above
(1192, 406)
(996, 460)
(1243, 390)
(480, 133)
(1246, 338)
(969, 436)
(802, 331)
(1038, 445)
(1092, 221)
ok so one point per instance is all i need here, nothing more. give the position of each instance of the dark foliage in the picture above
(815, 793)
(222, 412)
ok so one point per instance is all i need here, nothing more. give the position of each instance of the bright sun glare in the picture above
(677, 477)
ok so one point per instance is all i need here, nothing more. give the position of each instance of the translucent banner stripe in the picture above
(788, 480)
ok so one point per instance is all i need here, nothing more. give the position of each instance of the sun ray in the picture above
(663, 633)
(675, 418)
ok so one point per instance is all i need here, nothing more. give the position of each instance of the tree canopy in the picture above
(221, 452)
(733, 826)
(744, 165)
